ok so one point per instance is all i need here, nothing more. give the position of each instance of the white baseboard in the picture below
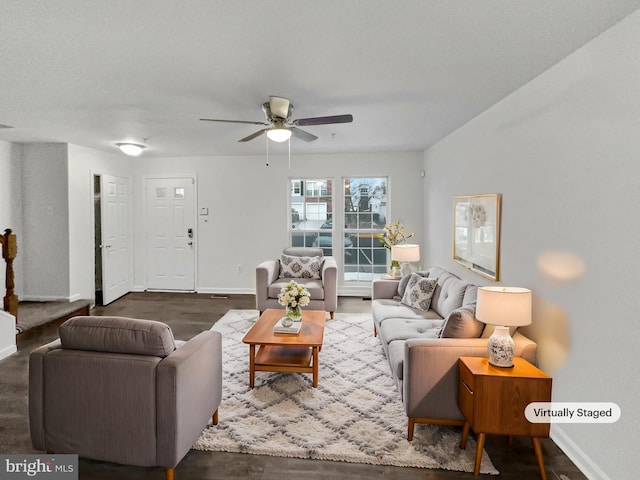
(138, 288)
(227, 291)
(6, 351)
(576, 454)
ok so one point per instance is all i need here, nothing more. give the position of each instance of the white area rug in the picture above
(355, 415)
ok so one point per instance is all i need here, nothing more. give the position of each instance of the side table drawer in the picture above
(465, 392)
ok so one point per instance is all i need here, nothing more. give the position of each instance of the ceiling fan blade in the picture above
(279, 107)
(233, 121)
(302, 135)
(253, 135)
(323, 120)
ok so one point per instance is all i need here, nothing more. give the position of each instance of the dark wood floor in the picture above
(188, 314)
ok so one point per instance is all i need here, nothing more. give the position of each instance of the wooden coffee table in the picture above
(285, 352)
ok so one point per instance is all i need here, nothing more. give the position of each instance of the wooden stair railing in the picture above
(9, 252)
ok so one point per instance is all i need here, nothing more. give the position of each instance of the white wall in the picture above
(247, 204)
(45, 214)
(564, 151)
(83, 164)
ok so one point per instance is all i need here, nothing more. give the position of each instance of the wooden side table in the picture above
(493, 400)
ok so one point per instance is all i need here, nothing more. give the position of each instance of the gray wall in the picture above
(564, 152)
(44, 244)
(10, 217)
(11, 203)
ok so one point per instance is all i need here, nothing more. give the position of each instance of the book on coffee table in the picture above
(294, 328)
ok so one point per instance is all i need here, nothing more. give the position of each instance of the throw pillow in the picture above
(419, 292)
(402, 284)
(301, 267)
(462, 323)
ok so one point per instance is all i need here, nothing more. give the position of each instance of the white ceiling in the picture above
(94, 73)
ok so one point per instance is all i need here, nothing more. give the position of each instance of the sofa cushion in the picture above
(300, 267)
(462, 323)
(117, 335)
(470, 295)
(315, 287)
(449, 294)
(419, 292)
(386, 308)
(303, 251)
(396, 358)
(404, 328)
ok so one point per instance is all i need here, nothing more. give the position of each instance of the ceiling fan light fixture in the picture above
(279, 134)
(132, 149)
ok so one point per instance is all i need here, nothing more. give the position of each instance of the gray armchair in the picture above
(323, 291)
(122, 390)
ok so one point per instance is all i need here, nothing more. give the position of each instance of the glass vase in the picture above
(394, 269)
(294, 313)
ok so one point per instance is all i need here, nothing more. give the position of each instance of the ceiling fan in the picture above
(278, 111)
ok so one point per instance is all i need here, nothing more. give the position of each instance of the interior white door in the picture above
(117, 241)
(170, 233)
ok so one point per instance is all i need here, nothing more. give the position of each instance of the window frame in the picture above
(364, 240)
(312, 237)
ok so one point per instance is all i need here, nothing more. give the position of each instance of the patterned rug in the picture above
(355, 415)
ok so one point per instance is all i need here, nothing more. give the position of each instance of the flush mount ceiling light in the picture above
(279, 134)
(132, 149)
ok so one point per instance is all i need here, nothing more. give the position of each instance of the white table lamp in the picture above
(504, 307)
(405, 254)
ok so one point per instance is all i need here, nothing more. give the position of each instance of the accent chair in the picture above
(305, 265)
(123, 390)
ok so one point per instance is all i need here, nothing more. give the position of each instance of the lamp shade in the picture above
(505, 306)
(279, 134)
(405, 253)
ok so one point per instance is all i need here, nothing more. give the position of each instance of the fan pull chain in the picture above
(267, 149)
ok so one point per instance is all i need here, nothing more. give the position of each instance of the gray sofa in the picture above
(424, 365)
(323, 290)
(122, 390)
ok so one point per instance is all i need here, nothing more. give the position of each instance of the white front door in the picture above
(170, 233)
(115, 201)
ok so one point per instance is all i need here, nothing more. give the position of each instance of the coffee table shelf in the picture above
(272, 356)
(285, 352)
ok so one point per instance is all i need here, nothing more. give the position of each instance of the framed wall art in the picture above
(476, 233)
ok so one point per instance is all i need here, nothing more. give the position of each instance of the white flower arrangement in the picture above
(294, 295)
(393, 234)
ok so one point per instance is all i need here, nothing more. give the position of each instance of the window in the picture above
(311, 214)
(365, 212)
(316, 188)
(296, 187)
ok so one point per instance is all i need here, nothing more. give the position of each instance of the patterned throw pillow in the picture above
(402, 284)
(419, 292)
(301, 267)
